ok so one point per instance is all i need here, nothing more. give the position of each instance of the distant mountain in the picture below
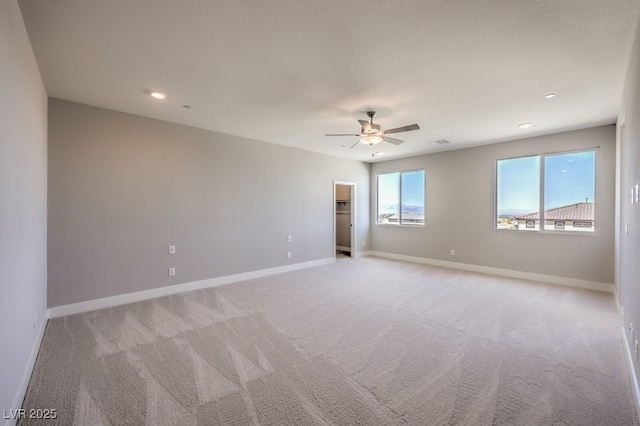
(513, 212)
(412, 209)
(392, 208)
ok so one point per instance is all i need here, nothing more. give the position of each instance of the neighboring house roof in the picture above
(577, 211)
(407, 216)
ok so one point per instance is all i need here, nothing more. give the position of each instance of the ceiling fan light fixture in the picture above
(371, 139)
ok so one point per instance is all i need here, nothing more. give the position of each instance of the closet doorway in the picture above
(344, 223)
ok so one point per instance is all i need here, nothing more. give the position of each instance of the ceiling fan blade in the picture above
(365, 124)
(402, 129)
(342, 134)
(354, 144)
(392, 140)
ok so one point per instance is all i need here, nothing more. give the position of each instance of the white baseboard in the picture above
(632, 370)
(26, 375)
(364, 253)
(571, 282)
(122, 299)
(619, 307)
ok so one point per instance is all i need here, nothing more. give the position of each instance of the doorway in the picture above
(344, 223)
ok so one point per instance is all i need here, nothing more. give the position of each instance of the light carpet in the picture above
(360, 342)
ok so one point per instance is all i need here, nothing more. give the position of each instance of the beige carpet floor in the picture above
(360, 342)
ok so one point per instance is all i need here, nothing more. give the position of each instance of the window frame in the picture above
(424, 198)
(541, 229)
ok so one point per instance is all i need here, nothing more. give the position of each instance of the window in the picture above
(401, 198)
(551, 192)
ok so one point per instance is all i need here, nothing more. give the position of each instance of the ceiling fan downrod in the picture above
(371, 114)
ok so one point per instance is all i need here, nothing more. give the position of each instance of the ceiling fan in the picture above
(370, 134)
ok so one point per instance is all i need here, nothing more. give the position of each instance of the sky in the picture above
(569, 179)
(388, 188)
(412, 188)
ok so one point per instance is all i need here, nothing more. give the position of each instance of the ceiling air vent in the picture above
(441, 142)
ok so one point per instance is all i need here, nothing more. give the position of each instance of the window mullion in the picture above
(541, 201)
(400, 199)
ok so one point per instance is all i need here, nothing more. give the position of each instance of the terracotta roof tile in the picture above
(577, 211)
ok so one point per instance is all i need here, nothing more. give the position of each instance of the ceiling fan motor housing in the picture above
(374, 130)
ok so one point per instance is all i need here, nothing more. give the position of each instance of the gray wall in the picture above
(460, 212)
(123, 187)
(628, 279)
(23, 202)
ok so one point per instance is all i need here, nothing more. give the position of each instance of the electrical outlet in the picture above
(172, 272)
(288, 255)
(172, 249)
(288, 238)
(364, 243)
(636, 349)
(453, 252)
(630, 332)
(35, 319)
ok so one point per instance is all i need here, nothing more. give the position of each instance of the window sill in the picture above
(402, 225)
(548, 232)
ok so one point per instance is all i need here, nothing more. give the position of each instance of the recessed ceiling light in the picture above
(158, 95)
(525, 125)
(186, 106)
(378, 153)
(550, 95)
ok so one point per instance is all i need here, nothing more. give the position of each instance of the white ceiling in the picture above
(289, 71)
